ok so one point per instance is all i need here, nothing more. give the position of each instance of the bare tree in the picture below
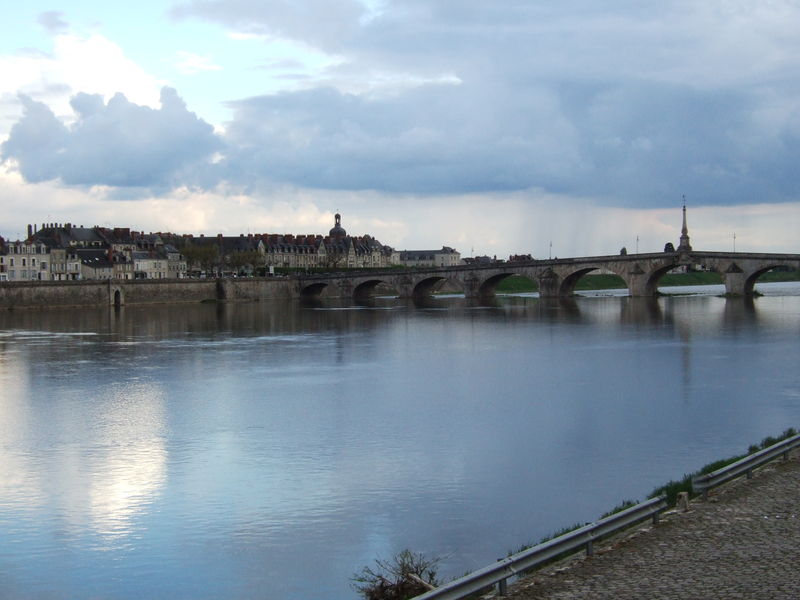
(404, 576)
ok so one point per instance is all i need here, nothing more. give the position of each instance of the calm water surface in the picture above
(270, 450)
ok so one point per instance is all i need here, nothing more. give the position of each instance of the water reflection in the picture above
(55, 397)
(129, 467)
(218, 450)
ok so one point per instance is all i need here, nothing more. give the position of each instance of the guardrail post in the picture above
(749, 473)
(501, 585)
(589, 548)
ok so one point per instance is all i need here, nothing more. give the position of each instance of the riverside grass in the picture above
(672, 488)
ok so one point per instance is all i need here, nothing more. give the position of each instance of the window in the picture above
(12, 262)
(24, 260)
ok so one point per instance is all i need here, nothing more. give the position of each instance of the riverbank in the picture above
(377, 578)
(520, 285)
(742, 543)
(93, 293)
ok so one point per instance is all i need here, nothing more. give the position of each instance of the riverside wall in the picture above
(59, 294)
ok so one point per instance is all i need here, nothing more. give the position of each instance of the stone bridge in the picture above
(555, 277)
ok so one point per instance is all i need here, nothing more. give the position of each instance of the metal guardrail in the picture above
(584, 537)
(745, 466)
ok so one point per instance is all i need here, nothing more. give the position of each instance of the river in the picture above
(270, 450)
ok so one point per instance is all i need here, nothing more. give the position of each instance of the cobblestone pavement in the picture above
(743, 543)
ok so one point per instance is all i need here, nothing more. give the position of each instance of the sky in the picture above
(565, 128)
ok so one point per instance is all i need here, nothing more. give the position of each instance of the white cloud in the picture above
(96, 65)
(189, 63)
(118, 143)
(91, 64)
(320, 23)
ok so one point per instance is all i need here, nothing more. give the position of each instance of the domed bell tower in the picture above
(338, 231)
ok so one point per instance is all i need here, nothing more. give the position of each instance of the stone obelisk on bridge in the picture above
(684, 246)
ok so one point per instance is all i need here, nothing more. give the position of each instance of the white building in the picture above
(24, 261)
(150, 264)
(446, 257)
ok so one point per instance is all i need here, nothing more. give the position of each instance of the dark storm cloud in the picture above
(634, 144)
(116, 144)
(631, 103)
(635, 103)
(429, 139)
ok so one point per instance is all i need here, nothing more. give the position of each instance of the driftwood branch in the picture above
(421, 581)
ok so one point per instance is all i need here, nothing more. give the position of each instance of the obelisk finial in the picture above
(684, 245)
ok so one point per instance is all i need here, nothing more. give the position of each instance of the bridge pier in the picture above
(639, 286)
(472, 287)
(736, 284)
(549, 284)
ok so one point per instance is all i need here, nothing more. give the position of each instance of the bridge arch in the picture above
(117, 297)
(313, 291)
(367, 289)
(570, 281)
(488, 287)
(749, 283)
(651, 283)
(428, 285)
(221, 290)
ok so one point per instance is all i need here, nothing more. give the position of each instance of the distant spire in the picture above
(684, 245)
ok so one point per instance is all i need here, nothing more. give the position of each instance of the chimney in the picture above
(30, 230)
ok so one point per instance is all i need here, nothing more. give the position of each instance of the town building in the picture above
(446, 257)
(60, 252)
(24, 261)
(336, 250)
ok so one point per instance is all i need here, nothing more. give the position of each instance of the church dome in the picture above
(338, 231)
